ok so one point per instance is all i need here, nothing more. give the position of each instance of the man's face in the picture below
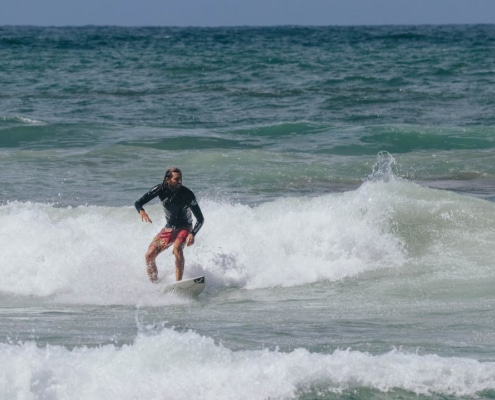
(175, 182)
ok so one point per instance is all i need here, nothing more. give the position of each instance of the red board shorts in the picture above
(168, 236)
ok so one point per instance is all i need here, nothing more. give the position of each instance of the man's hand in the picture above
(145, 217)
(190, 239)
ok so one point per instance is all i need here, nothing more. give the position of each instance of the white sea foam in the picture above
(95, 254)
(189, 366)
(20, 118)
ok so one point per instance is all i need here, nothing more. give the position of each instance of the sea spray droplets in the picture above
(382, 170)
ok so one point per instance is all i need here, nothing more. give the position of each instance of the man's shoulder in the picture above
(156, 189)
(185, 191)
(187, 194)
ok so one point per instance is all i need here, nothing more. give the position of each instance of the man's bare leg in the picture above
(151, 267)
(179, 261)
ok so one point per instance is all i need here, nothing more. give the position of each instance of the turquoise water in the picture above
(347, 179)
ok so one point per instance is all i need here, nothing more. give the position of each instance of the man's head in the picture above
(173, 178)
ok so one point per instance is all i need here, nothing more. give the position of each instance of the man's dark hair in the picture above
(169, 173)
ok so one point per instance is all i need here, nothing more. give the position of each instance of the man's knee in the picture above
(178, 251)
(151, 253)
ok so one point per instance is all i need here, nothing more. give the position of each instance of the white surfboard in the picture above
(187, 287)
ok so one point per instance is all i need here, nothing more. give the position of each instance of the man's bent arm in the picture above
(150, 195)
(199, 218)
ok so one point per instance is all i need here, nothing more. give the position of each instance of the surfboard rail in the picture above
(191, 287)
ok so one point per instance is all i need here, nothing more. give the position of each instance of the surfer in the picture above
(178, 202)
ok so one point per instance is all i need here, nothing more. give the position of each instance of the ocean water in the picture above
(347, 178)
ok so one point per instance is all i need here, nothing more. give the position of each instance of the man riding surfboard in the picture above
(178, 202)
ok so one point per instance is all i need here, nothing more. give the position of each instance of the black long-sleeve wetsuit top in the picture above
(177, 206)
